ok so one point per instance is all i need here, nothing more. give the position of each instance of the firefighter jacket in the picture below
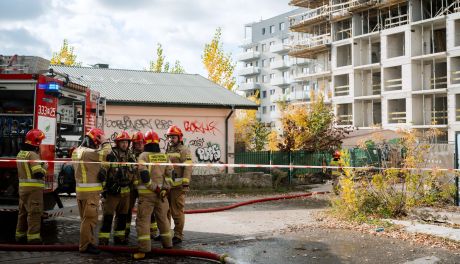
(119, 176)
(87, 164)
(157, 173)
(181, 175)
(335, 172)
(29, 171)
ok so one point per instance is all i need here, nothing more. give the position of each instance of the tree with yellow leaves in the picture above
(65, 56)
(311, 128)
(161, 65)
(219, 65)
(249, 131)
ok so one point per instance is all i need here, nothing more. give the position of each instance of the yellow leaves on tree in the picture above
(161, 65)
(219, 65)
(65, 56)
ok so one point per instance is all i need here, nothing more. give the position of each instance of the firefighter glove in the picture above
(145, 177)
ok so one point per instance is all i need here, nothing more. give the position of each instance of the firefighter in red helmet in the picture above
(90, 172)
(152, 188)
(137, 147)
(180, 180)
(336, 172)
(31, 184)
(117, 190)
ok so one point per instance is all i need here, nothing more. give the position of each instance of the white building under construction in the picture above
(385, 63)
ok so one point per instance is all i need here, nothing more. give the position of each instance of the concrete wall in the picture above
(203, 128)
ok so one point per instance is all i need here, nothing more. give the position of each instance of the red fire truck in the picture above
(51, 102)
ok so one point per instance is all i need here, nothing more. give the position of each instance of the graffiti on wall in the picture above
(197, 142)
(209, 153)
(202, 127)
(126, 123)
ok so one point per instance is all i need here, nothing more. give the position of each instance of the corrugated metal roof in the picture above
(145, 87)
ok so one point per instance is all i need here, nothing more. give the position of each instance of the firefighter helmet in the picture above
(151, 137)
(138, 137)
(34, 137)
(122, 137)
(95, 134)
(336, 154)
(174, 131)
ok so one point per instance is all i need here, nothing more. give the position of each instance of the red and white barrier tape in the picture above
(221, 165)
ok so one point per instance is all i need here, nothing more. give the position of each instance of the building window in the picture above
(264, 47)
(264, 63)
(256, 48)
(272, 76)
(272, 91)
(272, 108)
(264, 78)
(272, 43)
(264, 94)
(292, 89)
(257, 79)
(263, 31)
(272, 59)
(272, 29)
(282, 26)
(264, 109)
(285, 41)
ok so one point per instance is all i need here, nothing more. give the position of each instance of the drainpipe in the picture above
(226, 136)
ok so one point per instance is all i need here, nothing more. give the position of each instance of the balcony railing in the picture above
(248, 55)
(251, 70)
(342, 90)
(396, 21)
(397, 117)
(345, 119)
(248, 86)
(279, 48)
(279, 64)
(311, 17)
(439, 117)
(455, 77)
(376, 89)
(393, 84)
(279, 81)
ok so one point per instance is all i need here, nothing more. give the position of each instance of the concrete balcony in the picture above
(280, 64)
(249, 71)
(309, 47)
(279, 48)
(298, 96)
(249, 55)
(280, 81)
(299, 61)
(248, 86)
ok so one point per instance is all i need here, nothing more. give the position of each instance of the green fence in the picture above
(358, 157)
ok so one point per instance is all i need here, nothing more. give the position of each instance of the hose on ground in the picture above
(235, 205)
(224, 258)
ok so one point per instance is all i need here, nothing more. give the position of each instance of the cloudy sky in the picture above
(124, 33)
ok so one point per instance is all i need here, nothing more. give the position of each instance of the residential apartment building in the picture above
(265, 68)
(386, 63)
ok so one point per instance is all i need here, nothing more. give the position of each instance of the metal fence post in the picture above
(290, 169)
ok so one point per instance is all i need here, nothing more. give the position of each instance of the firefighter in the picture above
(152, 189)
(335, 172)
(180, 180)
(117, 191)
(137, 148)
(90, 173)
(31, 184)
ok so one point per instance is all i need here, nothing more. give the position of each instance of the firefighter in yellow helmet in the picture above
(335, 172)
(180, 180)
(90, 173)
(152, 188)
(31, 184)
(117, 191)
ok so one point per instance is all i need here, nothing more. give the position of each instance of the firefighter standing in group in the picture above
(137, 147)
(89, 174)
(180, 180)
(31, 185)
(116, 191)
(152, 188)
(335, 172)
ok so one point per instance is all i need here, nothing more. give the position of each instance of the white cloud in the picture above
(124, 34)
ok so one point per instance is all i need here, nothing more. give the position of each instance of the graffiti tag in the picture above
(198, 142)
(127, 123)
(201, 127)
(211, 153)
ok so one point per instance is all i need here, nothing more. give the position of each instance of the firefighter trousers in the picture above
(30, 214)
(117, 205)
(88, 206)
(176, 199)
(148, 203)
(132, 201)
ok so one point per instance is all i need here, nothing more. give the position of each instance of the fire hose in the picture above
(224, 258)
